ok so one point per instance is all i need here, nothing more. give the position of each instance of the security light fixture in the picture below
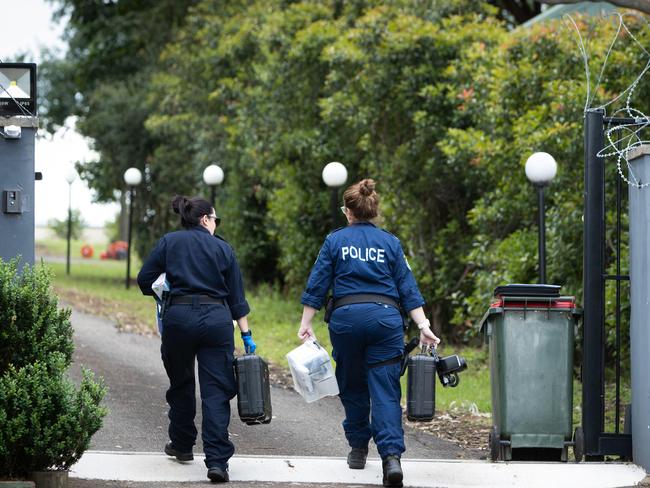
(12, 132)
(17, 89)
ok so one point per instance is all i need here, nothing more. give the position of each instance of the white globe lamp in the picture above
(335, 174)
(133, 177)
(213, 175)
(541, 168)
(70, 176)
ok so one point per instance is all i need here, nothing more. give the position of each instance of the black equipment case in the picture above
(253, 389)
(421, 387)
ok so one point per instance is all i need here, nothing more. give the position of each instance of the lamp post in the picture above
(541, 168)
(334, 175)
(132, 177)
(69, 177)
(213, 176)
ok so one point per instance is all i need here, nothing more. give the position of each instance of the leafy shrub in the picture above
(32, 327)
(46, 422)
(60, 227)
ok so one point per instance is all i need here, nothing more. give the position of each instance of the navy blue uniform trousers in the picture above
(363, 335)
(203, 333)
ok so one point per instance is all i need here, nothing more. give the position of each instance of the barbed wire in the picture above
(621, 138)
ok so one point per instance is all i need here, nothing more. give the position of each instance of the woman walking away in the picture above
(371, 280)
(206, 294)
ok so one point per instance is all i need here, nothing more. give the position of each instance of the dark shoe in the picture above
(392, 472)
(181, 456)
(357, 457)
(218, 475)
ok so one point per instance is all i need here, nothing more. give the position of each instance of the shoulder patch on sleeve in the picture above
(335, 230)
(228, 245)
(390, 233)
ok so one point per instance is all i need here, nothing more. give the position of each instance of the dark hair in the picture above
(191, 209)
(362, 199)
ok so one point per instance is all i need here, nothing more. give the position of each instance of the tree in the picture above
(529, 95)
(280, 79)
(439, 101)
(113, 50)
(60, 227)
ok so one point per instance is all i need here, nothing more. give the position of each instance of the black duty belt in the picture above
(365, 298)
(199, 299)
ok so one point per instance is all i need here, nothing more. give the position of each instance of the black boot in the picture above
(218, 475)
(357, 457)
(181, 456)
(392, 472)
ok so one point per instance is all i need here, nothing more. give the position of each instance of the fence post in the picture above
(593, 363)
(17, 190)
(639, 159)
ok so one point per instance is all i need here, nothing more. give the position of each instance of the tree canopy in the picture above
(441, 102)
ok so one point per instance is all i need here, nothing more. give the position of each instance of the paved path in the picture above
(302, 446)
(132, 369)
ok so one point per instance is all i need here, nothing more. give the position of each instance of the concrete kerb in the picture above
(140, 466)
(645, 481)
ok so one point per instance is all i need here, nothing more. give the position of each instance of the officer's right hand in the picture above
(305, 332)
(428, 337)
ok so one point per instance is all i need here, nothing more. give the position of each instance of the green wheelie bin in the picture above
(530, 333)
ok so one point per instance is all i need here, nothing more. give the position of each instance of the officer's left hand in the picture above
(249, 344)
(428, 337)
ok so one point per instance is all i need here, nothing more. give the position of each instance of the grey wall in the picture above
(17, 173)
(640, 302)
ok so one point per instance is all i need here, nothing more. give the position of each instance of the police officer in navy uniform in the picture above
(206, 294)
(370, 279)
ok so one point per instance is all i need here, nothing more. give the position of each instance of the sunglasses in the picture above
(216, 219)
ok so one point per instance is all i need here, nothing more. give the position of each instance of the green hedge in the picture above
(46, 422)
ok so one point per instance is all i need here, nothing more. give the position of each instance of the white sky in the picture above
(55, 156)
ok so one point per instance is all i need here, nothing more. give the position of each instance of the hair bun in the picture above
(177, 202)
(366, 187)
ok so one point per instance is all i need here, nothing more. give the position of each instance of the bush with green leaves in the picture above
(46, 422)
(441, 102)
(60, 227)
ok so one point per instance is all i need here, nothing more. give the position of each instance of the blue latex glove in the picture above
(249, 344)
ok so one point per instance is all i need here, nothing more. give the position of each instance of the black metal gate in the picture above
(596, 442)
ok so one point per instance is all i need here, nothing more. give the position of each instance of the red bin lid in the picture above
(535, 302)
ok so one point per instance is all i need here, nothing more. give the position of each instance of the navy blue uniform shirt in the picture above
(361, 258)
(196, 263)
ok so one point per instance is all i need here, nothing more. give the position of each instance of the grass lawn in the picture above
(55, 246)
(97, 286)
